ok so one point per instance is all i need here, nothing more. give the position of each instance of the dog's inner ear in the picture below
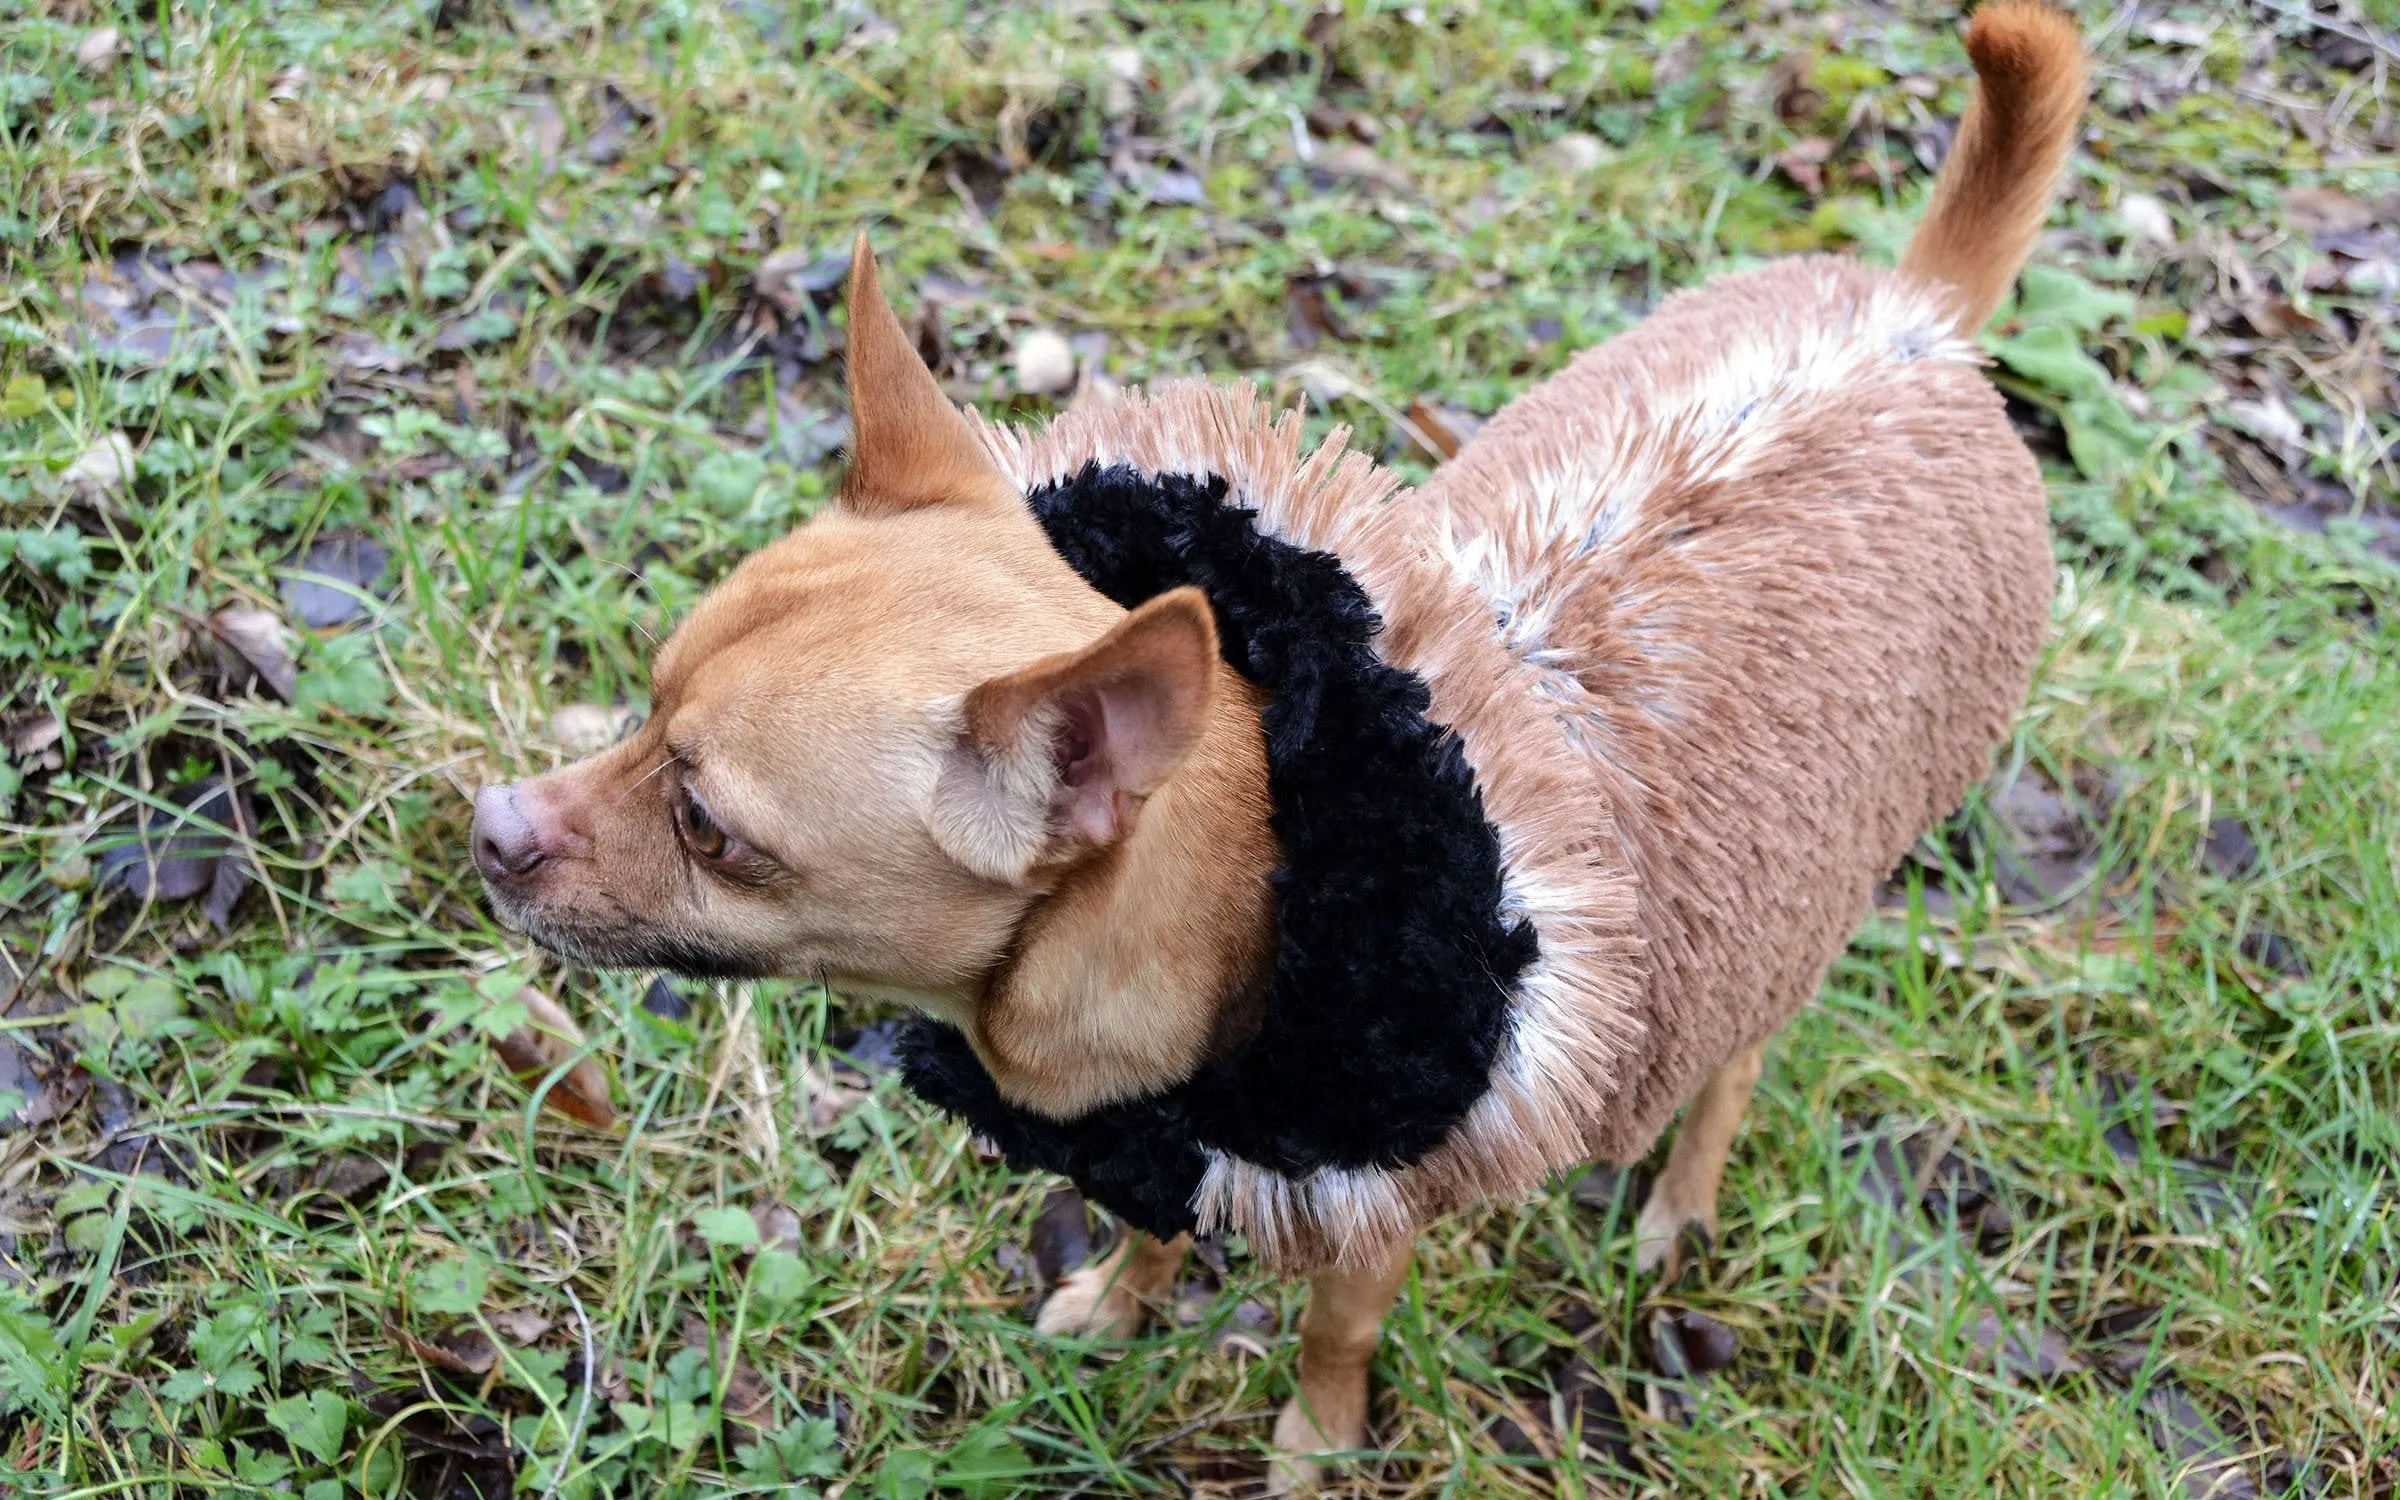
(910, 447)
(1054, 760)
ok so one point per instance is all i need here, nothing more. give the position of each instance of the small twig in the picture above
(727, 1053)
(1174, 1435)
(583, 1401)
(2365, 36)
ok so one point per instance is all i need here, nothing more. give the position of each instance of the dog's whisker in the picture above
(646, 775)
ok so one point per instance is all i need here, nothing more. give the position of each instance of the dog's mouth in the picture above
(622, 942)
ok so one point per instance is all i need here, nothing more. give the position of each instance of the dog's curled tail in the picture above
(1994, 191)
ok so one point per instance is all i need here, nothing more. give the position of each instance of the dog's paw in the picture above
(1330, 1419)
(1291, 1474)
(1092, 1303)
(1665, 1238)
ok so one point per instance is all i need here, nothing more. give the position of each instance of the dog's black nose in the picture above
(507, 844)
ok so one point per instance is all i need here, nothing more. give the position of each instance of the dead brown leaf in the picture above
(32, 741)
(99, 49)
(174, 856)
(521, 1324)
(794, 275)
(258, 640)
(103, 470)
(1356, 161)
(828, 1099)
(1309, 316)
(1062, 1235)
(548, 1038)
(746, 1396)
(2324, 210)
(1044, 363)
(1803, 162)
(1797, 98)
(351, 1177)
(582, 728)
(778, 1226)
(332, 582)
(463, 1349)
(1446, 428)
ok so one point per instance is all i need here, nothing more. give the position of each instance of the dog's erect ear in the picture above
(1054, 759)
(909, 445)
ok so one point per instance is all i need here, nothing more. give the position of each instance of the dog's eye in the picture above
(700, 831)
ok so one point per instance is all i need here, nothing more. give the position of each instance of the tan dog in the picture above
(911, 751)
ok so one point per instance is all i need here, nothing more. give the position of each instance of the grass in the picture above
(480, 284)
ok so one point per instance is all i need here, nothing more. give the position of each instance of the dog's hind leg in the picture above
(1338, 1335)
(1684, 1200)
(1112, 1298)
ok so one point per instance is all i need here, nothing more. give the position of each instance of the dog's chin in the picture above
(619, 946)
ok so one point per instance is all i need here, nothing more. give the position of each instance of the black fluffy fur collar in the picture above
(1394, 965)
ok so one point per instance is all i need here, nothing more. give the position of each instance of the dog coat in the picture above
(1586, 758)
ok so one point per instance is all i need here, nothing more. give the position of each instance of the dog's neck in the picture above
(1152, 954)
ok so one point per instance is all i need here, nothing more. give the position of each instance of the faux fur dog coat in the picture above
(1722, 617)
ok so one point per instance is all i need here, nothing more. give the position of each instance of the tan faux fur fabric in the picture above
(1726, 614)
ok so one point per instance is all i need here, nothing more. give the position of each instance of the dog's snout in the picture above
(508, 843)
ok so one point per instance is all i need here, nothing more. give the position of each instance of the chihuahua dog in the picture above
(1797, 570)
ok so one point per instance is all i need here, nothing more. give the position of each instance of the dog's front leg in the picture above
(1338, 1334)
(1111, 1298)
(1684, 1200)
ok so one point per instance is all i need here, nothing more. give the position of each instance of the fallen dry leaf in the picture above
(1062, 1235)
(616, 129)
(540, 129)
(1573, 154)
(1308, 315)
(1251, 1330)
(1044, 363)
(332, 581)
(583, 728)
(174, 858)
(1803, 162)
(828, 1100)
(2168, 32)
(1703, 1344)
(351, 1177)
(2146, 220)
(663, 999)
(746, 1396)
(258, 639)
(2230, 852)
(1446, 428)
(99, 49)
(789, 278)
(1797, 97)
(2269, 420)
(2020, 1350)
(778, 1226)
(463, 1349)
(103, 470)
(521, 1324)
(31, 739)
(2048, 845)
(2208, 1461)
(2324, 210)
(1355, 161)
(548, 1038)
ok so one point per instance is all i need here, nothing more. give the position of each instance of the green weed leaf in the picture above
(2051, 295)
(451, 1286)
(343, 675)
(727, 1226)
(316, 1423)
(2049, 356)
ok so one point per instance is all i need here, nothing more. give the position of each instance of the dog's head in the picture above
(880, 743)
